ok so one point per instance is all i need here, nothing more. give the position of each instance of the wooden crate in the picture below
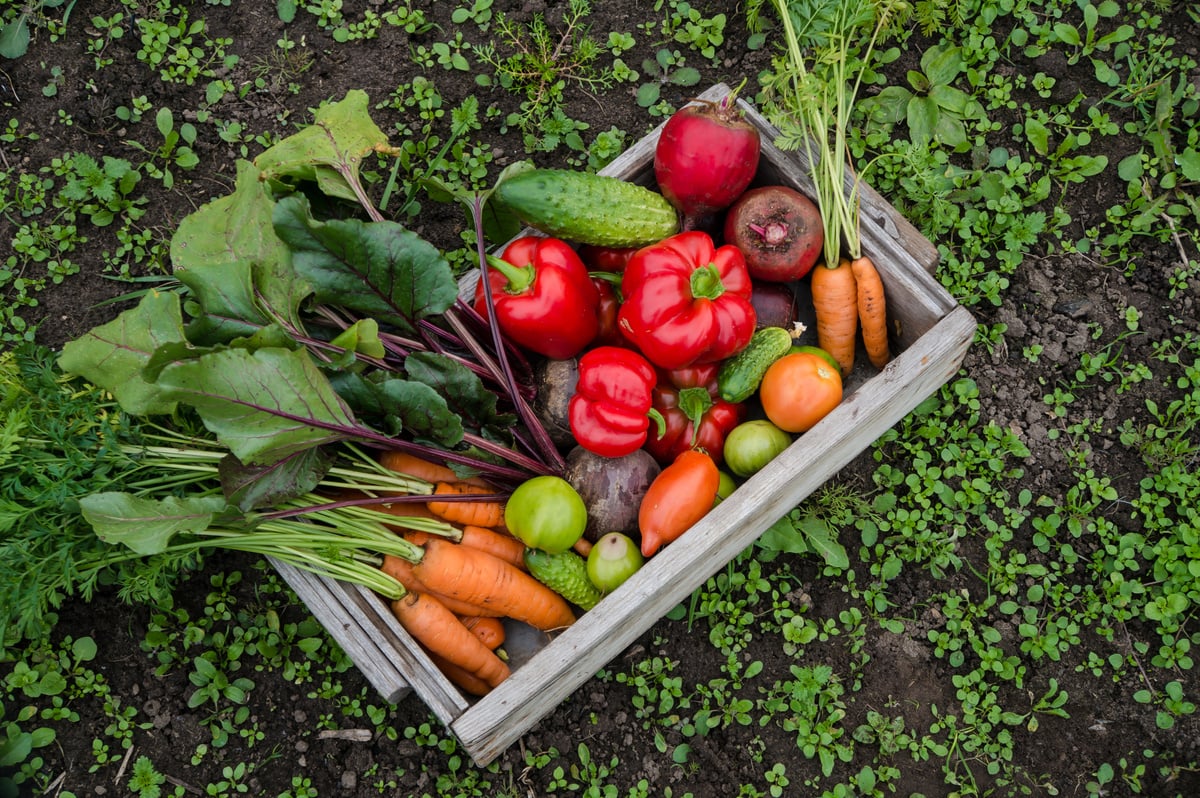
(931, 338)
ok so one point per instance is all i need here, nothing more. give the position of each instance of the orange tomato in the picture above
(798, 390)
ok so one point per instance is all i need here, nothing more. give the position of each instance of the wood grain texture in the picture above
(330, 603)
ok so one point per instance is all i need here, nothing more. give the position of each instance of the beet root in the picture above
(779, 232)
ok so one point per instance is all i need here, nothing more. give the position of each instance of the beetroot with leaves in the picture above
(779, 232)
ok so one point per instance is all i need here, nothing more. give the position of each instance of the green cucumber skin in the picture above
(565, 574)
(589, 208)
(741, 375)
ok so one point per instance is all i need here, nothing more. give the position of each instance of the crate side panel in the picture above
(328, 603)
(404, 654)
(501, 717)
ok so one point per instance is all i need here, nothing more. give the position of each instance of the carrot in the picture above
(402, 571)
(499, 544)
(479, 578)
(474, 513)
(835, 300)
(438, 629)
(460, 677)
(490, 631)
(419, 467)
(872, 310)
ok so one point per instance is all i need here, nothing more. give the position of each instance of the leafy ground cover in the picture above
(1013, 605)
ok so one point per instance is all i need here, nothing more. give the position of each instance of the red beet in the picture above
(778, 230)
(706, 157)
(774, 305)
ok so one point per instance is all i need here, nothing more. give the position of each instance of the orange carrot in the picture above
(419, 467)
(835, 300)
(466, 681)
(499, 544)
(872, 310)
(479, 578)
(438, 629)
(402, 571)
(474, 513)
(490, 631)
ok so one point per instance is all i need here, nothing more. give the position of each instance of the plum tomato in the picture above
(752, 444)
(546, 513)
(798, 390)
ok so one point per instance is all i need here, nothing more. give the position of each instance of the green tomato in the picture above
(752, 444)
(612, 560)
(546, 513)
(725, 487)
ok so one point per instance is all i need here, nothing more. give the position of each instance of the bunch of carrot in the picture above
(464, 575)
(845, 290)
(845, 296)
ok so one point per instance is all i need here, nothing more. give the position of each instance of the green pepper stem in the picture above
(520, 278)
(706, 282)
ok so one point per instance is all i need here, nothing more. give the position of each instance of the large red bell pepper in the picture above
(694, 414)
(545, 300)
(611, 409)
(687, 301)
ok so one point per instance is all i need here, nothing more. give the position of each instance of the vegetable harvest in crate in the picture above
(363, 412)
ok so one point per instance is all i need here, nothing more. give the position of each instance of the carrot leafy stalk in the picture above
(815, 96)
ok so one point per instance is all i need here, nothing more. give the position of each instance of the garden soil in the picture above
(1053, 301)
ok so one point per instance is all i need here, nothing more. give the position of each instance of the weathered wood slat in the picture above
(329, 602)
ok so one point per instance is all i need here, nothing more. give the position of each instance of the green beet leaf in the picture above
(263, 405)
(330, 150)
(147, 525)
(113, 355)
(238, 271)
(463, 390)
(379, 269)
(259, 486)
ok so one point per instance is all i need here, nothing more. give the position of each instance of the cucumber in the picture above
(740, 376)
(566, 574)
(588, 208)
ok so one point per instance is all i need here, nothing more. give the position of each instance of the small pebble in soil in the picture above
(349, 780)
(1075, 307)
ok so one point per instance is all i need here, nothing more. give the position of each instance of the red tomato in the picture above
(798, 390)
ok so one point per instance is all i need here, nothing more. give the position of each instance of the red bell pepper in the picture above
(606, 264)
(694, 414)
(610, 411)
(606, 314)
(545, 300)
(687, 301)
(606, 259)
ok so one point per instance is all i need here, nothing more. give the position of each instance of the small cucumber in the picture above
(566, 574)
(588, 208)
(740, 376)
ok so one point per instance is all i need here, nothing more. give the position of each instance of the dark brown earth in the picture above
(1051, 301)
